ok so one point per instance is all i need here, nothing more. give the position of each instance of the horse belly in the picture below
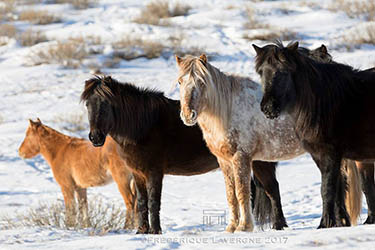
(85, 180)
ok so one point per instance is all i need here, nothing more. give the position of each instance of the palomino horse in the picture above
(77, 165)
(153, 142)
(331, 107)
(227, 109)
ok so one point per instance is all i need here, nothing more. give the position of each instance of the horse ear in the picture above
(203, 57)
(293, 46)
(257, 49)
(38, 120)
(178, 59)
(323, 49)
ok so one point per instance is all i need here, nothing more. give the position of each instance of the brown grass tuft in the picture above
(104, 218)
(272, 35)
(131, 48)
(69, 53)
(73, 122)
(38, 17)
(8, 30)
(79, 4)
(31, 37)
(252, 22)
(360, 35)
(157, 12)
(355, 8)
(7, 7)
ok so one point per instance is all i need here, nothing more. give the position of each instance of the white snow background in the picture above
(50, 91)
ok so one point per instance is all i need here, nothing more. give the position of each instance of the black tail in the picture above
(263, 210)
(261, 203)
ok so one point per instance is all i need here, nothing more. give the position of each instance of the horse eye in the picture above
(260, 72)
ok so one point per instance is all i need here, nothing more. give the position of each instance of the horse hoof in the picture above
(245, 228)
(370, 220)
(327, 222)
(231, 228)
(155, 231)
(279, 226)
(142, 230)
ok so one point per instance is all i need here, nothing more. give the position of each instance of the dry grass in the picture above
(252, 22)
(7, 7)
(73, 122)
(157, 12)
(355, 8)
(69, 54)
(103, 217)
(272, 35)
(8, 30)
(131, 48)
(356, 37)
(31, 37)
(38, 17)
(79, 4)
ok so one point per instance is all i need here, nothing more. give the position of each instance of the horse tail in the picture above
(353, 201)
(261, 203)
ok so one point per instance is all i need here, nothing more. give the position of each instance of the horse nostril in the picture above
(91, 137)
(193, 115)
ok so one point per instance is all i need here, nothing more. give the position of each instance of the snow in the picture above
(51, 91)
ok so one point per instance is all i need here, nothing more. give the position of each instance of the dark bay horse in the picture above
(332, 108)
(366, 169)
(153, 142)
(77, 165)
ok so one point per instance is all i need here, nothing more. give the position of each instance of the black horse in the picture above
(332, 105)
(153, 141)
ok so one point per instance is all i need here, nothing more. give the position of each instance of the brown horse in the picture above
(77, 165)
(155, 142)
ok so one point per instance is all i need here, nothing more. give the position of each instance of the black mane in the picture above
(323, 90)
(136, 109)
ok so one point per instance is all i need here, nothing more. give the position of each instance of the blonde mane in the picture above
(217, 87)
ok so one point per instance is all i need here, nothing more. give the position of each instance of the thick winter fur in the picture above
(332, 109)
(153, 141)
(77, 165)
(234, 128)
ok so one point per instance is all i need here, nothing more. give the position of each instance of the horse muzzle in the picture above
(191, 120)
(97, 138)
(270, 108)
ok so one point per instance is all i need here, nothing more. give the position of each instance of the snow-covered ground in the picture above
(52, 92)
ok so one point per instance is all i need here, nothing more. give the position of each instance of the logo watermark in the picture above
(229, 240)
(214, 219)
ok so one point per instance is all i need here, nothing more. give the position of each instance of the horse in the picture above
(153, 142)
(77, 165)
(366, 170)
(226, 108)
(331, 108)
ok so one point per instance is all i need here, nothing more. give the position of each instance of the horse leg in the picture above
(366, 171)
(142, 200)
(231, 195)
(265, 172)
(329, 164)
(70, 207)
(83, 207)
(241, 165)
(124, 180)
(154, 186)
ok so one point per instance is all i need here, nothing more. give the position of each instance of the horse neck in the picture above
(51, 143)
(134, 118)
